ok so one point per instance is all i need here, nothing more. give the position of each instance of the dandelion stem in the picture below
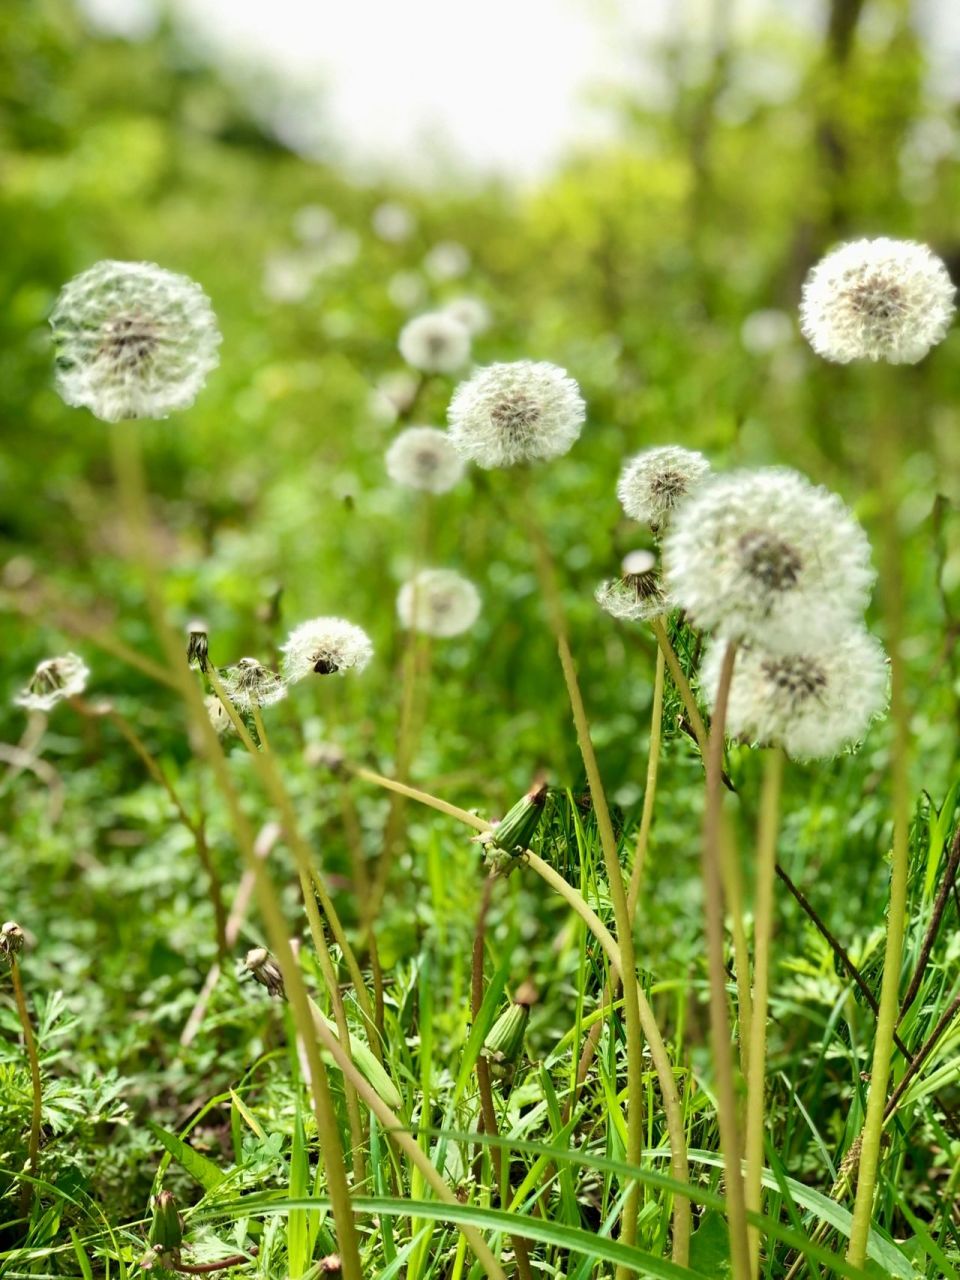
(733, 895)
(30, 1044)
(762, 933)
(650, 790)
(682, 685)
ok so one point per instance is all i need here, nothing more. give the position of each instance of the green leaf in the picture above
(199, 1167)
(710, 1245)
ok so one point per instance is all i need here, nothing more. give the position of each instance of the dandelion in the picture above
(53, 681)
(765, 331)
(392, 222)
(133, 341)
(198, 645)
(510, 413)
(767, 556)
(813, 703)
(447, 260)
(473, 314)
(250, 684)
(324, 647)
(218, 715)
(638, 594)
(312, 223)
(262, 967)
(655, 481)
(435, 343)
(424, 458)
(438, 602)
(877, 300)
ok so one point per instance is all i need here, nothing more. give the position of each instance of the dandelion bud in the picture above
(424, 458)
(166, 1229)
(514, 831)
(654, 482)
(53, 681)
(438, 602)
(877, 300)
(249, 684)
(503, 1047)
(325, 647)
(812, 703)
(638, 595)
(133, 341)
(12, 939)
(197, 645)
(510, 413)
(265, 970)
(434, 343)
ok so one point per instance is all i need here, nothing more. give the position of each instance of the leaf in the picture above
(199, 1167)
(710, 1245)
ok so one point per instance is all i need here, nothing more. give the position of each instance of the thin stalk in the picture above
(733, 895)
(682, 685)
(762, 934)
(361, 885)
(939, 906)
(922, 1054)
(719, 1017)
(30, 1044)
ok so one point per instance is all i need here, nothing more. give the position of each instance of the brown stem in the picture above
(204, 1268)
(922, 1054)
(939, 906)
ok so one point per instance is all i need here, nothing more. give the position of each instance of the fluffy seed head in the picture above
(638, 594)
(473, 314)
(133, 341)
(325, 647)
(510, 413)
(250, 684)
(877, 300)
(438, 602)
(53, 681)
(813, 703)
(424, 458)
(768, 557)
(435, 343)
(655, 481)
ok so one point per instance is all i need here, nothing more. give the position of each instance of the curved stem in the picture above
(682, 685)
(30, 1044)
(650, 790)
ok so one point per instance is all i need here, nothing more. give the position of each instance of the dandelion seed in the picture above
(53, 681)
(424, 458)
(473, 314)
(811, 703)
(510, 413)
(767, 556)
(638, 594)
(653, 483)
(324, 647)
(877, 300)
(133, 341)
(438, 602)
(434, 343)
(218, 715)
(250, 684)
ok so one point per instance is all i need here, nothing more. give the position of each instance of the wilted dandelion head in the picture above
(325, 647)
(877, 300)
(198, 644)
(813, 703)
(638, 594)
(133, 341)
(768, 557)
(424, 458)
(472, 313)
(12, 939)
(438, 602)
(653, 483)
(435, 343)
(510, 413)
(250, 684)
(53, 681)
(218, 715)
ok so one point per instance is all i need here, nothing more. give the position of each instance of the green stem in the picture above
(733, 895)
(650, 790)
(30, 1044)
(682, 685)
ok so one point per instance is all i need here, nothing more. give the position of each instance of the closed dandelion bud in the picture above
(53, 681)
(265, 970)
(503, 1047)
(166, 1229)
(11, 939)
(197, 646)
(513, 833)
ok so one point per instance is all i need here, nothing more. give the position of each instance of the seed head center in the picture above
(770, 561)
(515, 415)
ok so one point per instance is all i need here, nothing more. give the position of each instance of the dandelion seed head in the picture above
(638, 595)
(813, 703)
(655, 481)
(769, 557)
(438, 602)
(325, 647)
(510, 413)
(877, 300)
(472, 313)
(447, 260)
(424, 458)
(250, 684)
(392, 222)
(54, 680)
(133, 341)
(435, 343)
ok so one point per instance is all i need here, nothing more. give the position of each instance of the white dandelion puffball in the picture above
(133, 341)
(473, 314)
(877, 300)
(324, 647)
(53, 681)
(510, 413)
(250, 684)
(447, 261)
(424, 458)
(652, 483)
(434, 343)
(811, 703)
(638, 594)
(438, 602)
(767, 556)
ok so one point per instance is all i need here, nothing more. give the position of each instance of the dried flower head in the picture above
(219, 716)
(438, 602)
(198, 646)
(265, 970)
(250, 684)
(424, 458)
(53, 681)
(652, 483)
(766, 556)
(12, 939)
(510, 413)
(472, 313)
(324, 647)
(638, 594)
(435, 343)
(133, 340)
(813, 703)
(877, 300)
